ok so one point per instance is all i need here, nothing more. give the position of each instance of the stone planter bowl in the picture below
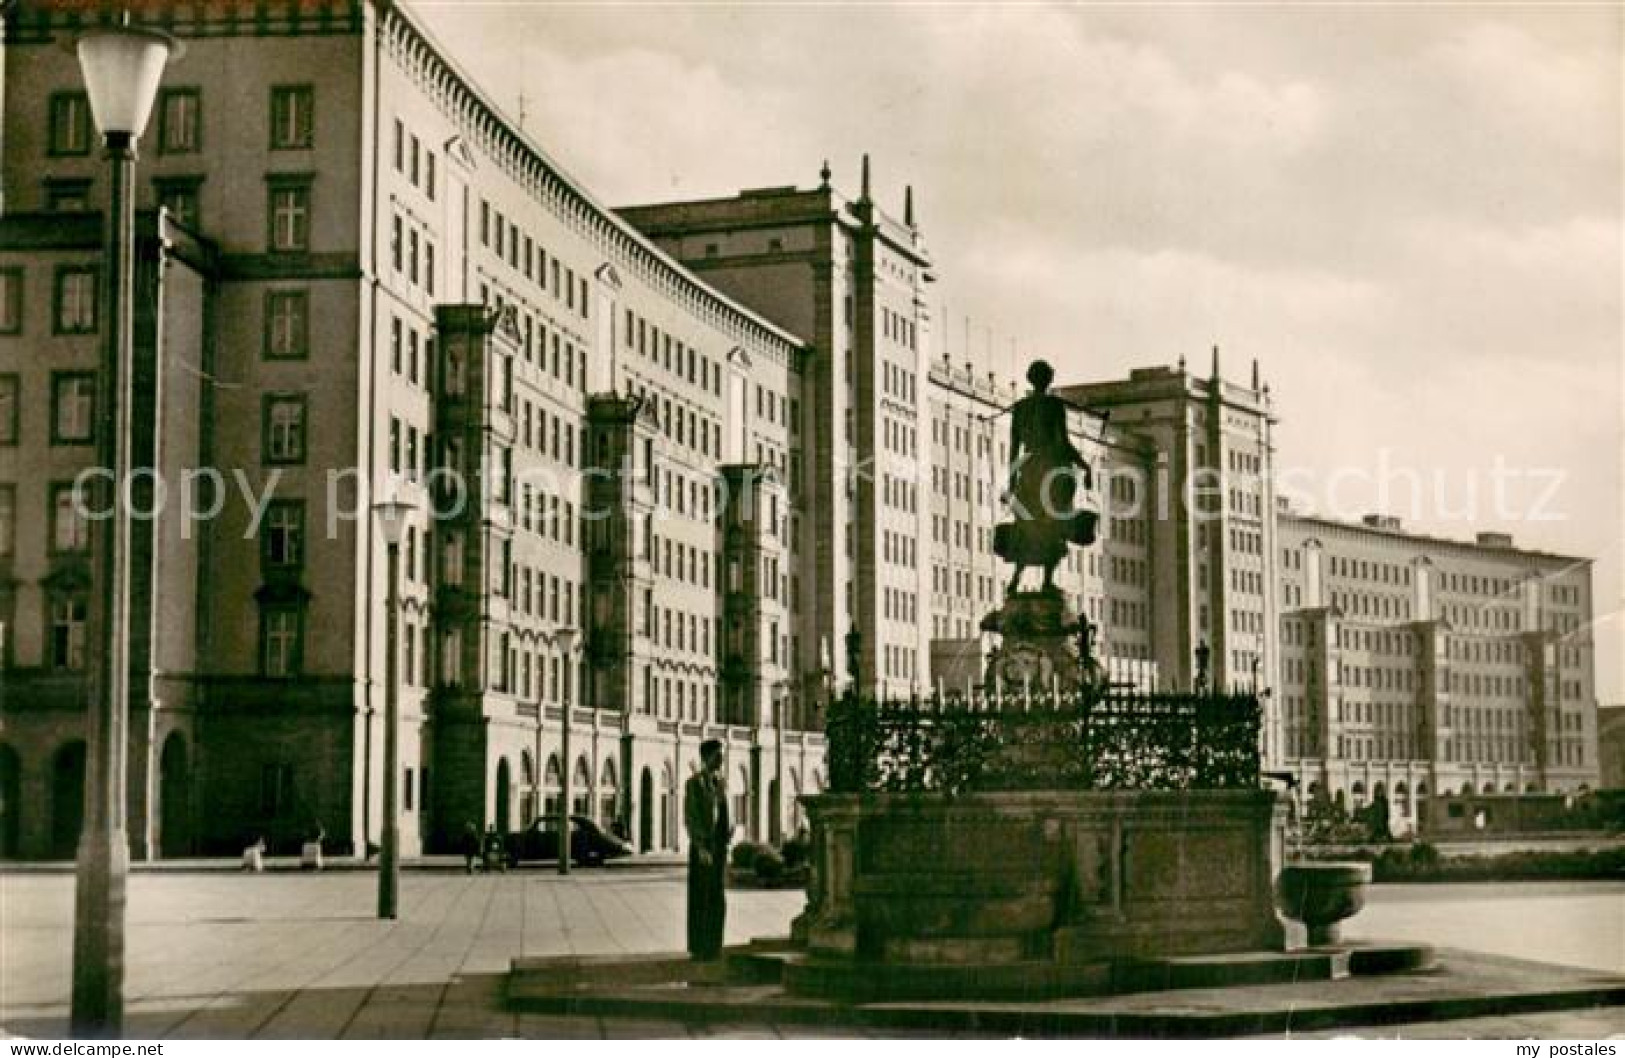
(1320, 895)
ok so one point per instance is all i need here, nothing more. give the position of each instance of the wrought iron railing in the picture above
(1067, 740)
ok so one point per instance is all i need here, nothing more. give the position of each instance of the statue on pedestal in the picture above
(1041, 643)
(1046, 470)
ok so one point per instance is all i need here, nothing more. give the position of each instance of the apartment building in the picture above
(1415, 666)
(711, 437)
(394, 290)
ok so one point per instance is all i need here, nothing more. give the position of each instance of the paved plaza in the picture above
(287, 954)
(221, 954)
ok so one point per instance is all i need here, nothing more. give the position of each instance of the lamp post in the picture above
(121, 67)
(391, 516)
(566, 638)
(776, 831)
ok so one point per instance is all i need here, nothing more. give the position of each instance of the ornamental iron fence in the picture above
(1066, 740)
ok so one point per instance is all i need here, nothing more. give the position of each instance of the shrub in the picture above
(1424, 857)
(744, 854)
(1423, 863)
(795, 851)
(769, 865)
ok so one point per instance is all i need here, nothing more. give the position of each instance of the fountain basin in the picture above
(1321, 896)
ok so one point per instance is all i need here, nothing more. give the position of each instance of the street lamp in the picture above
(565, 639)
(121, 67)
(391, 515)
(781, 689)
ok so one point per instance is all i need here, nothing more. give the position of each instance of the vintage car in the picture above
(590, 845)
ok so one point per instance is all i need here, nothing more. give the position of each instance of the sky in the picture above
(1409, 216)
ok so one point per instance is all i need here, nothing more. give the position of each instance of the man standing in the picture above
(705, 814)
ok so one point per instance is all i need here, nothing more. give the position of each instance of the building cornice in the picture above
(36, 22)
(484, 126)
(1321, 525)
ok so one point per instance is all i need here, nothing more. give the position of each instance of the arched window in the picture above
(607, 791)
(581, 788)
(552, 786)
(527, 788)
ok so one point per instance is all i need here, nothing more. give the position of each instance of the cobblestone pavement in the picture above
(219, 954)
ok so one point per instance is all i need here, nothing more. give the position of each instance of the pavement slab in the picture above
(1465, 985)
(215, 953)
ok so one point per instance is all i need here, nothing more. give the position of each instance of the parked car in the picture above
(590, 844)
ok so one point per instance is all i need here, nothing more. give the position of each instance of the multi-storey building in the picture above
(1416, 667)
(851, 279)
(903, 522)
(711, 436)
(50, 307)
(1202, 555)
(1611, 747)
(394, 285)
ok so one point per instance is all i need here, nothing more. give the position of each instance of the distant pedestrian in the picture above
(254, 856)
(470, 846)
(310, 853)
(496, 850)
(705, 815)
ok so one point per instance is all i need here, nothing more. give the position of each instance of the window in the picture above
(178, 121)
(284, 436)
(283, 535)
(10, 390)
(290, 215)
(287, 324)
(180, 196)
(70, 533)
(70, 123)
(73, 406)
(67, 196)
(75, 300)
(8, 520)
(280, 640)
(69, 615)
(293, 116)
(453, 380)
(11, 300)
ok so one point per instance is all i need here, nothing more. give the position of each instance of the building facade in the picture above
(395, 291)
(1611, 746)
(713, 438)
(1414, 667)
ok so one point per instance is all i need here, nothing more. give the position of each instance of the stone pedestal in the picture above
(1024, 885)
(1041, 645)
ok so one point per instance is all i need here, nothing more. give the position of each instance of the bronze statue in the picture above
(1045, 470)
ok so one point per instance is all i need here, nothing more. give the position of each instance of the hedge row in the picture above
(1422, 862)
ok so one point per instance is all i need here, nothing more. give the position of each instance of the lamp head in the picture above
(122, 66)
(565, 639)
(392, 515)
